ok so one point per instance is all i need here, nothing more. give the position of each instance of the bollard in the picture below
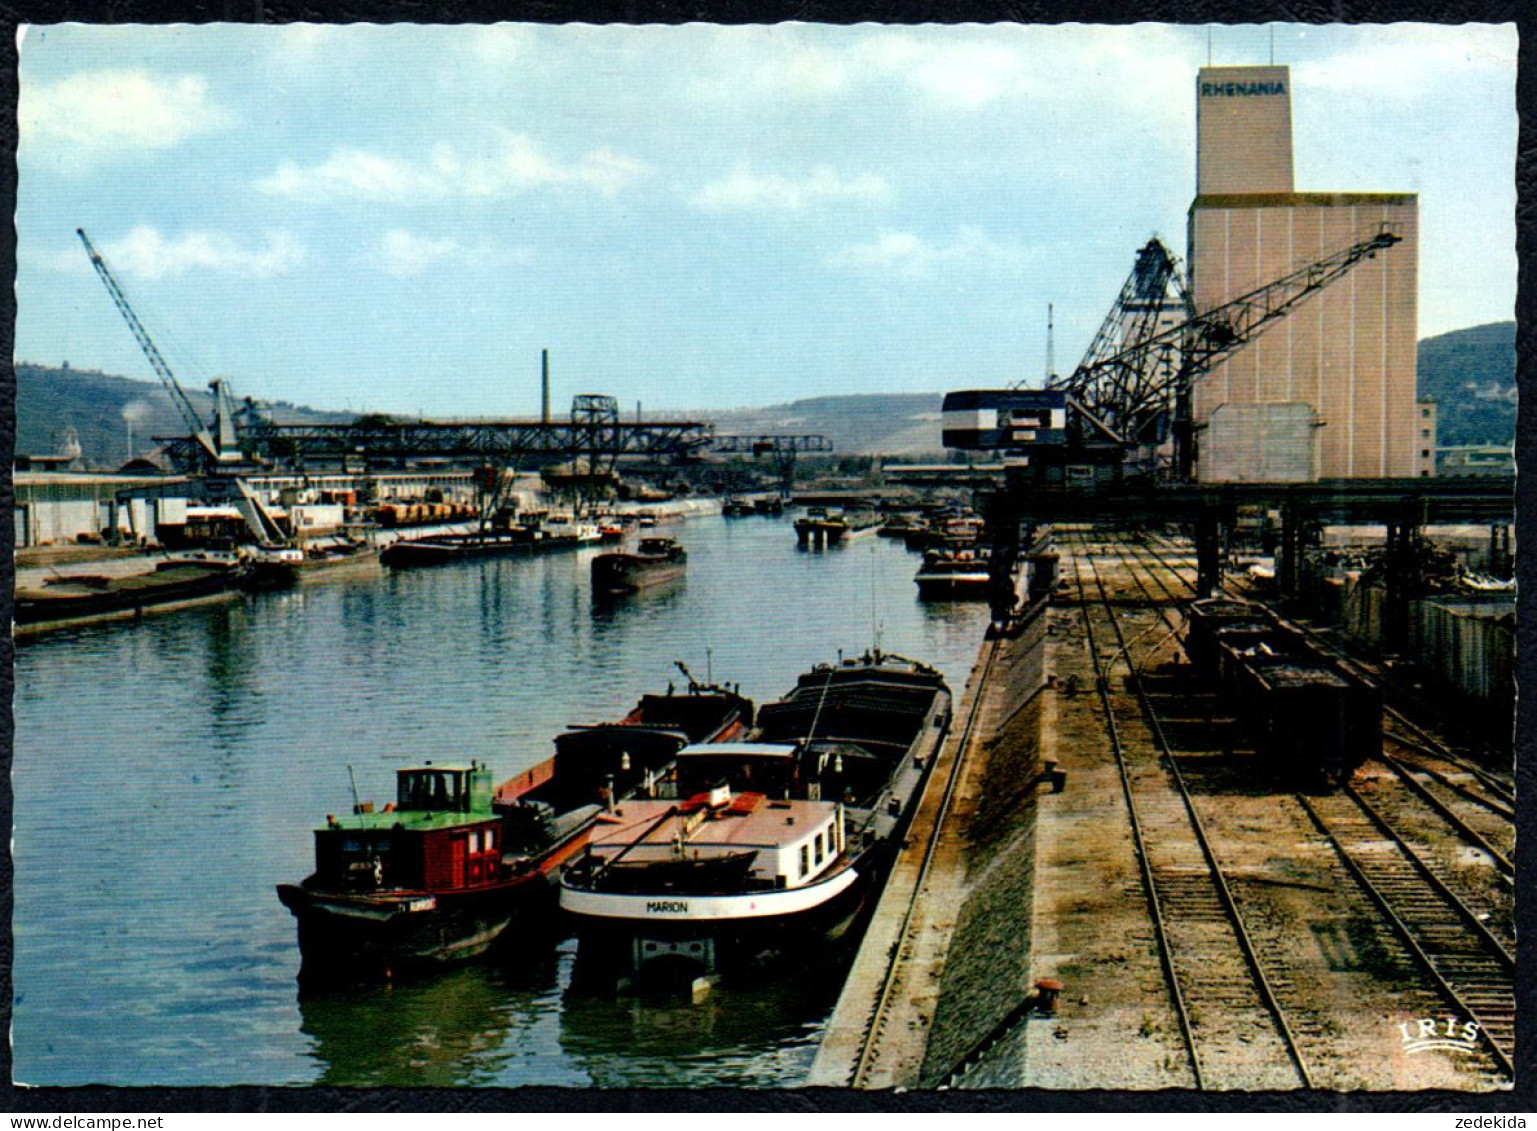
(1047, 990)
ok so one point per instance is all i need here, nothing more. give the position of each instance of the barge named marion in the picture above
(775, 843)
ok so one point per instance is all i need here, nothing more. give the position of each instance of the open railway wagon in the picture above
(1309, 716)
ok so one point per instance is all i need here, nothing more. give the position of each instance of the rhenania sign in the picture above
(1233, 89)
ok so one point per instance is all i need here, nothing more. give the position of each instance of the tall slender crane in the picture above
(211, 450)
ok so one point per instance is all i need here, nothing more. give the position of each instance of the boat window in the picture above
(805, 859)
(817, 840)
(474, 843)
(430, 789)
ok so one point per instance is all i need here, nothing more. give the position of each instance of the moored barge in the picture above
(554, 533)
(654, 561)
(85, 598)
(954, 575)
(775, 843)
(820, 526)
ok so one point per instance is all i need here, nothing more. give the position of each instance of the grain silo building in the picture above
(1329, 391)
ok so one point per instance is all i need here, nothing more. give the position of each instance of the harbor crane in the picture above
(1135, 384)
(214, 447)
(214, 451)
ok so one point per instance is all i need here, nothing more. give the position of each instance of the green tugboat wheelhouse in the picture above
(423, 879)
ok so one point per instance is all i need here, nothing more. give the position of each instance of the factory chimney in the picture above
(544, 403)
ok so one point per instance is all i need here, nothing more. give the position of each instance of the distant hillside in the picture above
(100, 406)
(898, 424)
(1471, 375)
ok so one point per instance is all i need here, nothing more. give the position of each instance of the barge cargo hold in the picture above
(778, 842)
(441, 873)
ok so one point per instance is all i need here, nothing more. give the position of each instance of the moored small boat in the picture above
(775, 842)
(950, 575)
(654, 561)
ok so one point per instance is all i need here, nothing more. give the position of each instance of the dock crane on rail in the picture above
(1133, 388)
(215, 451)
(1132, 391)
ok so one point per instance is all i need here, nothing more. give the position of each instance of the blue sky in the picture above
(399, 218)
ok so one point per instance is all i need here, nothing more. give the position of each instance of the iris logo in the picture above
(1446, 1034)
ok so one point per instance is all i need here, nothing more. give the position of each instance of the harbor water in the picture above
(168, 774)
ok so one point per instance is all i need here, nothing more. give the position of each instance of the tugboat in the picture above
(441, 873)
(655, 560)
(775, 844)
(954, 574)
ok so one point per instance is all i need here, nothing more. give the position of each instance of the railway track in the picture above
(1247, 1009)
(1433, 912)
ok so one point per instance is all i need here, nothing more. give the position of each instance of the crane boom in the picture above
(1138, 385)
(194, 422)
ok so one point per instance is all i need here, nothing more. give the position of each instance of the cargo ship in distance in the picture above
(774, 844)
(446, 870)
(654, 561)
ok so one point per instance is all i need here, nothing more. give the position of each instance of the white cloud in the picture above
(1401, 60)
(907, 256)
(514, 163)
(148, 254)
(94, 115)
(1133, 67)
(404, 254)
(744, 189)
(355, 174)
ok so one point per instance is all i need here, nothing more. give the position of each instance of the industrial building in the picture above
(1329, 392)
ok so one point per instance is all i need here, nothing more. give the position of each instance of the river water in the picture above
(167, 775)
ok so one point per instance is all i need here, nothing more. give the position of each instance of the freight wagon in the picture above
(1311, 717)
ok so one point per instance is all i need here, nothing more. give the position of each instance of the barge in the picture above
(820, 526)
(774, 844)
(557, 532)
(654, 561)
(287, 567)
(445, 871)
(954, 575)
(84, 598)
